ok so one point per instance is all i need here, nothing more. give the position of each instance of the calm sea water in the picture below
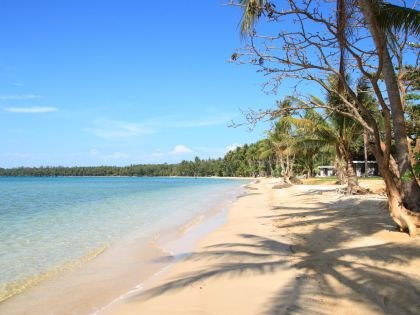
(50, 224)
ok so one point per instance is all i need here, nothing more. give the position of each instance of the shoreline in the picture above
(297, 250)
(127, 176)
(172, 251)
(115, 271)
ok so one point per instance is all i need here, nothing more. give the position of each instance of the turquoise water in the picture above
(49, 224)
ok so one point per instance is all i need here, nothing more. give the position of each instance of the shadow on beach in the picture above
(316, 243)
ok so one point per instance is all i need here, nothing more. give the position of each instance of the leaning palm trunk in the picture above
(352, 182)
(286, 163)
(365, 152)
(410, 188)
(270, 164)
(402, 188)
(345, 155)
(405, 219)
(340, 167)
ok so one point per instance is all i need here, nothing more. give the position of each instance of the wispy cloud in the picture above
(180, 149)
(31, 110)
(116, 129)
(19, 97)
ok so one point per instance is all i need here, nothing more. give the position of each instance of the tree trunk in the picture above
(286, 164)
(311, 167)
(404, 218)
(270, 165)
(340, 169)
(365, 151)
(261, 169)
(352, 182)
(410, 188)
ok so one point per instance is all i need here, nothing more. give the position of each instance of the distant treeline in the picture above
(187, 168)
(240, 162)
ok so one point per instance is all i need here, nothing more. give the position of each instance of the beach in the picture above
(275, 249)
(304, 249)
(259, 158)
(74, 245)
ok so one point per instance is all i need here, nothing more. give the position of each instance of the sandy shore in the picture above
(92, 283)
(297, 250)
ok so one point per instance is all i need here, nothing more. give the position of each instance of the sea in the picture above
(51, 224)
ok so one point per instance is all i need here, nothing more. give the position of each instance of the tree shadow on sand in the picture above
(319, 260)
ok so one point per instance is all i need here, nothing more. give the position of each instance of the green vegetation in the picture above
(364, 55)
(185, 168)
(240, 162)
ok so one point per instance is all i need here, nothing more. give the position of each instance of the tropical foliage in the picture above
(348, 39)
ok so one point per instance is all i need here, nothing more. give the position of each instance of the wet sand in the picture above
(91, 286)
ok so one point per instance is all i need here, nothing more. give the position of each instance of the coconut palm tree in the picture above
(402, 187)
(314, 137)
(381, 18)
(284, 148)
(284, 140)
(266, 155)
(337, 133)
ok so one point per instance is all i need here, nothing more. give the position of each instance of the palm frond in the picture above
(252, 11)
(391, 16)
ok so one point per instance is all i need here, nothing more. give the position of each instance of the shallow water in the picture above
(48, 225)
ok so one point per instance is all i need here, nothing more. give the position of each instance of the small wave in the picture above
(11, 289)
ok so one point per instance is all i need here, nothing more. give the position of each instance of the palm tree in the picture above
(364, 95)
(266, 155)
(402, 188)
(285, 140)
(381, 17)
(315, 137)
(337, 133)
(281, 140)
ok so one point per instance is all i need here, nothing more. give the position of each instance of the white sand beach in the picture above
(298, 250)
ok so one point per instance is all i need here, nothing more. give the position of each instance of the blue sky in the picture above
(121, 82)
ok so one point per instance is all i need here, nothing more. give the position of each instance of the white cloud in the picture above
(116, 129)
(180, 149)
(31, 110)
(232, 147)
(19, 97)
